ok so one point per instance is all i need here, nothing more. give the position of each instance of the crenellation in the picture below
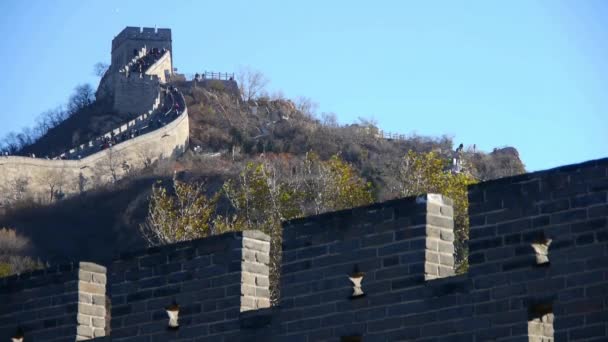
(141, 33)
(383, 272)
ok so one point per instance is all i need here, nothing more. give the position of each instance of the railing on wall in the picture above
(211, 75)
(139, 125)
(391, 135)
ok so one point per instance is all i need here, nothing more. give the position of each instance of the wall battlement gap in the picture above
(141, 33)
(383, 272)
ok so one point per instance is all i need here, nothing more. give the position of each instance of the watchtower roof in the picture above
(141, 33)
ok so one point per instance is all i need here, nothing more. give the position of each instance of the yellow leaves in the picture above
(267, 193)
(5, 269)
(186, 215)
(264, 194)
(348, 189)
(429, 173)
(262, 199)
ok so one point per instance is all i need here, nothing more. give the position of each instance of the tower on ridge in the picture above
(133, 39)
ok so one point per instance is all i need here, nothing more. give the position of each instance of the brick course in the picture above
(404, 248)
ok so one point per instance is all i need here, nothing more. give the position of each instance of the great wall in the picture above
(161, 131)
(538, 271)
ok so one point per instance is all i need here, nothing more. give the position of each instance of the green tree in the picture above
(421, 173)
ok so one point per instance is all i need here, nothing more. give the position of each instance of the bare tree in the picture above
(329, 120)
(82, 183)
(54, 179)
(11, 243)
(145, 156)
(19, 187)
(11, 143)
(56, 116)
(13, 250)
(99, 69)
(251, 83)
(277, 95)
(83, 96)
(14, 190)
(307, 106)
(111, 165)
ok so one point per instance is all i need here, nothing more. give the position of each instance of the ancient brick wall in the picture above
(565, 209)
(60, 303)
(135, 38)
(70, 175)
(538, 272)
(134, 94)
(162, 68)
(211, 280)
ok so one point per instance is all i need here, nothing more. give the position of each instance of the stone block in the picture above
(262, 281)
(432, 257)
(83, 319)
(84, 331)
(99, 300)
(99, 322)
(447, 235)
(85, 275)
(255, 268)
(91, 288)
(99, 332)
(92, 267)
(85, 298)
(92, 310)
(256, 235)
(440, 221)
(99, 278)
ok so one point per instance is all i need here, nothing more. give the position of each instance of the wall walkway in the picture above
(40, 176)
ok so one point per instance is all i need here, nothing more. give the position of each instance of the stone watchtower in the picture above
(131, 89)
(134, 39)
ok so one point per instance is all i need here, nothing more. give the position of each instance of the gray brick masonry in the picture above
(60, 303)
(402, 248)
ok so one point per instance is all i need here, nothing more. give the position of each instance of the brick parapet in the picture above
(212, 280)
(141, 33)
(506, 295)
(564, 208)
(60, 303)
(91, 315)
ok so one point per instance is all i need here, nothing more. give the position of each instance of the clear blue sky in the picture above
(530, 74)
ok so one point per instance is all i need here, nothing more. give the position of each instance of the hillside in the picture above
(225, 133)
(85, 124)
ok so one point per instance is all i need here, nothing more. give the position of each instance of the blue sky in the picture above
(529, 74)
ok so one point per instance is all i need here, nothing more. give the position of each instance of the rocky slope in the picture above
(225, 133)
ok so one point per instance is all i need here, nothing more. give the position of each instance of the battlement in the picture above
(141, 33)
(538, 267)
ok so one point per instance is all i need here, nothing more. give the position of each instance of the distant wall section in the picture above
(162, 68)
(133, 94)
(22, 175)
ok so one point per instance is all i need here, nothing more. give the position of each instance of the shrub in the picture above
(13, 258)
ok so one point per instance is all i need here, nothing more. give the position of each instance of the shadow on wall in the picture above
(96, 225)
